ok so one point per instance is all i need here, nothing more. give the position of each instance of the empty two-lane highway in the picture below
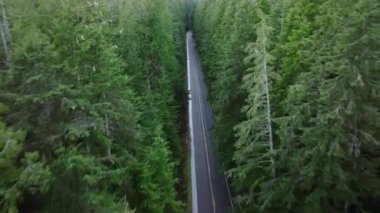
(210, 192)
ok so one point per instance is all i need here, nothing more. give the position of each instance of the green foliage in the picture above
(89, 82)
(254, 146)
(323, 74)
(157, 179)
(222, 30)
(21, 172)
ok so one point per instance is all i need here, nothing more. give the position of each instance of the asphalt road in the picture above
(210, 192)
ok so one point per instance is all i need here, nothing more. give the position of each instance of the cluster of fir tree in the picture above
(295, 91)
(89, 105)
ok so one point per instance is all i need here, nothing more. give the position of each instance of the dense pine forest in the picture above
(93, 103)
(294, 85)
(91, 100)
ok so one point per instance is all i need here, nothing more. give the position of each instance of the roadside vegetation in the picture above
(294, 86)
(91, 97)
(93, 103)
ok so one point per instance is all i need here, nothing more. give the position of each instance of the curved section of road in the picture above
(210, 192)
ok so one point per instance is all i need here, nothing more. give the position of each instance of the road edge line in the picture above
(205, 143)
(193, 172)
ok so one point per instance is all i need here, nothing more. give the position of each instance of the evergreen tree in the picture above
(326, 108)
(21, 172)
(86, 81)
(255, 144)
(157, 178)
(323, 97)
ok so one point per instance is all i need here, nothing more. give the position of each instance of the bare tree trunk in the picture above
(269, 118)
(282, 15)
(107, 128)
(4, 33)
(107, 131)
